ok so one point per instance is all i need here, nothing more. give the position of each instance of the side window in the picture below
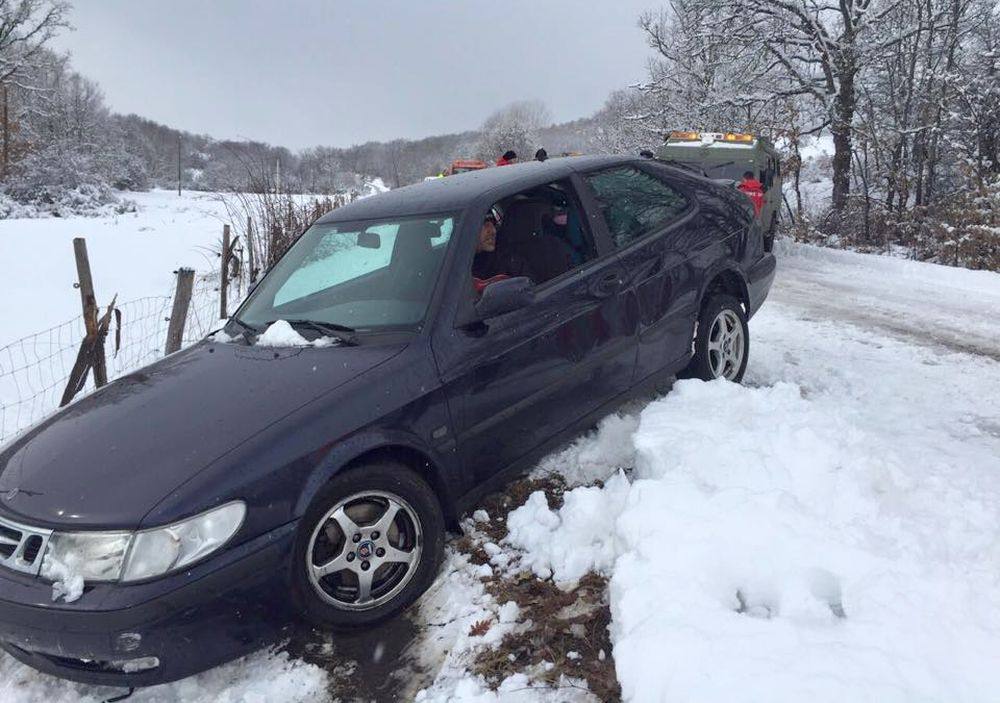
(634, 203)
(769, 174)
(539, 233)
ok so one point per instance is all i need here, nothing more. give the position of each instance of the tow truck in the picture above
(727, 156)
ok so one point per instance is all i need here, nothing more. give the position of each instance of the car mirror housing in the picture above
(369, 240)
(505, 296)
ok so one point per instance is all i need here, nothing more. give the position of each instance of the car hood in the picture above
(106, 460)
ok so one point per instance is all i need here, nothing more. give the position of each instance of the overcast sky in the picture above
(306, 72)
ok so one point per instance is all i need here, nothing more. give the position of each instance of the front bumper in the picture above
(228, 606)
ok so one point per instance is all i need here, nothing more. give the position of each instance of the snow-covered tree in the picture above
(698, 78)
(516, 127)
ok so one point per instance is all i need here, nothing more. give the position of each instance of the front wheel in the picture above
(722, 343)
(368, 547)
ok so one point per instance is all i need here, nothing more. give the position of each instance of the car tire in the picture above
(348, 539)
(722, 342)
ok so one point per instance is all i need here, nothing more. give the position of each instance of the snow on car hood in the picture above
(104, 461)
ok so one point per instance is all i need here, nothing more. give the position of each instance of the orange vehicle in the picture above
(463, 165)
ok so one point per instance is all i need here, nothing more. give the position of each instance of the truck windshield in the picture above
(727, 169)
(363, 276)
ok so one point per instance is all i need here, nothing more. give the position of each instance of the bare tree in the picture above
(26, 26)
(513, 127)
(819, 50)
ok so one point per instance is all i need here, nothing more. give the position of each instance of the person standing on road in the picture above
(754, 190)
(541, 155)
(508, 158)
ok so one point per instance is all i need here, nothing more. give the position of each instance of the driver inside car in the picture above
(485, 268)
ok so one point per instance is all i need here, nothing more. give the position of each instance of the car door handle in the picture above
(608, 285)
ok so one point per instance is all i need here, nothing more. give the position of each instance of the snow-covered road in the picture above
(956, 309)
(828, 531)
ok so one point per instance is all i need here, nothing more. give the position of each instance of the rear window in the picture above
(635, 203)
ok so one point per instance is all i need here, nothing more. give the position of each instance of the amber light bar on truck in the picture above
(709, 137)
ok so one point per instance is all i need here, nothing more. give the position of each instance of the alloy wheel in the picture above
(364, 550)
(726, 345)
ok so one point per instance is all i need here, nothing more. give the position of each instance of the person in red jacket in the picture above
(754, 190)
(508, 158)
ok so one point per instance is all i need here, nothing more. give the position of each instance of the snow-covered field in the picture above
(829, 531)
(132, 255)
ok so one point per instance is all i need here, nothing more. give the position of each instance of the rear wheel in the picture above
(368, 547)
(722, 343)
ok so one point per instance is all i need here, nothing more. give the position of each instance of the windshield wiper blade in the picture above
(245, 325)
(722, 165)
(345, 334)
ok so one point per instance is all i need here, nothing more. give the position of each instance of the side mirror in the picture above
(505, 296)
(369, 240)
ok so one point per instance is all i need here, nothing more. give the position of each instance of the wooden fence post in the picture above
(224, 273)
(89, 301)
(178, 315)
(91, 354)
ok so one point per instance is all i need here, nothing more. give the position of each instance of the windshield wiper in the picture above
(246, 326)
(713, 167)
(343, 333)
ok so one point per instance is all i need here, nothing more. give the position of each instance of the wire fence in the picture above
(34, 370)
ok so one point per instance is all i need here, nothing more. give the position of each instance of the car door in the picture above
(523, 378)
(653, 225)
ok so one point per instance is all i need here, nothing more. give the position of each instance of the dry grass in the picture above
(568, 633)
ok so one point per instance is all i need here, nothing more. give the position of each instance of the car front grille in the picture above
(22, 547)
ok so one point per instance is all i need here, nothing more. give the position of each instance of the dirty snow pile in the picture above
(829, 532)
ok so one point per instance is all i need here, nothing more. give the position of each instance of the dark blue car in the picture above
(411, 352)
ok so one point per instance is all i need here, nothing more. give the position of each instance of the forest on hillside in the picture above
(908, 91)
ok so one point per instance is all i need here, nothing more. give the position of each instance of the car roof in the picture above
(455, 193)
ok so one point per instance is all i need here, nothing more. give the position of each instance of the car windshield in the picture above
(362, 276)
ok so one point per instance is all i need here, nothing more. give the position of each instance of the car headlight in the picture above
(155, 552)
(95, 556)
(133, 556)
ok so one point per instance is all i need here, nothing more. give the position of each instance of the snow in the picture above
(282, 334)
(67, 581)
(817, 147)
(132, 255)
(586, 521)
(826, 532)
(259, 678)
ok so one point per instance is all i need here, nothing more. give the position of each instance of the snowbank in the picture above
(259, 678)
(827, 532)
(801, 558)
